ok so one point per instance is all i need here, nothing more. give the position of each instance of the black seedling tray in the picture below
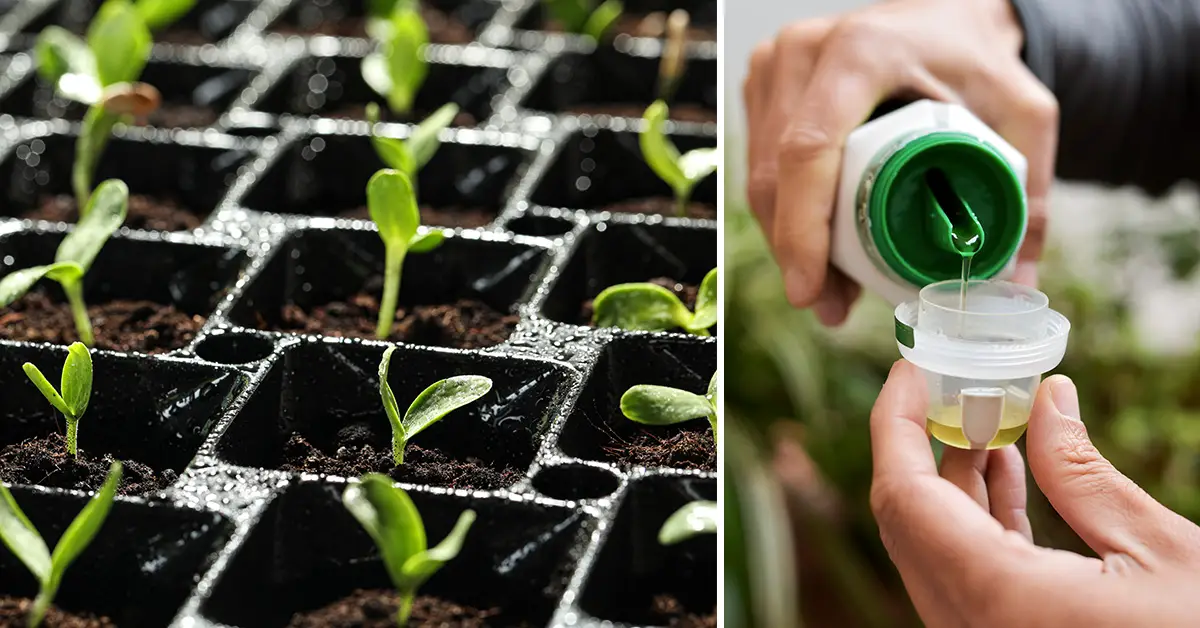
(253, 416)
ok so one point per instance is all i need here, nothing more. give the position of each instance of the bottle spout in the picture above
(953, 226)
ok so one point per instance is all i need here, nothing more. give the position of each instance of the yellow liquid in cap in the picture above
(945, 424)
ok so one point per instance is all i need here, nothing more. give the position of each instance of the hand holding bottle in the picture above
(818, 80)
(961, 540)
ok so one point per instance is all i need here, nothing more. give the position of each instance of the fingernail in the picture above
(796, 286)
(1065, 397)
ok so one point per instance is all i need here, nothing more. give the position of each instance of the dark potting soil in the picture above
(145, 212)
(632, 444)
(465, 324)
(443, 28)
(44, 461)
(686, 293)
(172, 116)
(662, 206)
(358, 111)
(465, 217)
(14, 610)
(376, 608)
(183, 37)
(682, 112)
(669, 611)
(353, 455)
(121, 325)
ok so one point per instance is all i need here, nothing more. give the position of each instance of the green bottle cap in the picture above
(940, 195)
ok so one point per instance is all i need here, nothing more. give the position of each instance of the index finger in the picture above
(937, 535)
(843, 93)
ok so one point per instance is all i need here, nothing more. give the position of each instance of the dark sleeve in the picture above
(1127, 77)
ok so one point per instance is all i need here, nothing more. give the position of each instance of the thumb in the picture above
(1108, 511)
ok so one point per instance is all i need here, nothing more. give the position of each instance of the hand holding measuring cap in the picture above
(962, 542)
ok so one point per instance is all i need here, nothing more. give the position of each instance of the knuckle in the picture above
(1039, 105)
(888, 498)
(804, 141)
(761, 183)
(799, 37)
(761, 57)
(862, 33)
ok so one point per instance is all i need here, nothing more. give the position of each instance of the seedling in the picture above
(397, 68)
(662, 405)
(409, 156)
(159, 14)
(681, 172)
(26, 543)
(584, 17)
(102, 73)
(693, 519)
(650, 307)
(434, 403)
(106, 212)
(76, 390)
(670, 70)
(392, 203)
(389, 516)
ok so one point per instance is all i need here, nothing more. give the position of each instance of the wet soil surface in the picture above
(465, 324)
(681, 112)
(145, 212)
(121, 325)
(662, 206)
(670, 612)
(377, 609)
(358, 111)
(13, 612)
(354, 455)
(686, 293)
(465, 217)
(443, 28)
(44, 461)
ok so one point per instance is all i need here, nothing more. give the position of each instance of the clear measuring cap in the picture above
(982, 356)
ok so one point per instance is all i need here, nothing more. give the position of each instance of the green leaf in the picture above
(389, 516)
(105, 213)
(639, 306)
(77, 379)
(380, 8)
(442, 398)
(423, 243)
(85, 526)
(393, 206)
(385, 393)
(420, 567)
(159, 13)
(120, 42)
(65, 61)
(572, 14)
(424, 141)
(713, 393)
(706, 304)
(47, 389)
(658, 151)
(404, 51)
(602, 19)
(17, 283)
(97, 125)
(699, 517)
(375, 73)
(698, 164)
(661, 405)
(21, 538)
(394, 153)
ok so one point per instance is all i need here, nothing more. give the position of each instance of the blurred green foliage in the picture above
(781, 365)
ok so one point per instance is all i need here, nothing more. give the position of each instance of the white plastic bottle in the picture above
(910, 177)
